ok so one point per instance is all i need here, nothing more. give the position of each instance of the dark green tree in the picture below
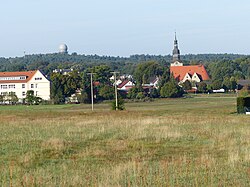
(217, 84)
(107, 92)
(202, 87)
(171, 89)
(120, 103)
(146, 70)
(133, 92)
(187, 85)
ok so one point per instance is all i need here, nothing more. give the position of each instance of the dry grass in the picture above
(165, 143)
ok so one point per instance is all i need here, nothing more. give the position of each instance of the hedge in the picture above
(242, 104)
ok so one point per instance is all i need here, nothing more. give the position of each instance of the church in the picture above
(192, 73)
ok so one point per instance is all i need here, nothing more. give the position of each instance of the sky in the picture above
(124, 27)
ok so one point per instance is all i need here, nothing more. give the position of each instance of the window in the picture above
(36, 93)
(4, 93)
(32, 85)
(36, 85)
(23, 85)
(4, 86)
(12, 86)
(23, 93)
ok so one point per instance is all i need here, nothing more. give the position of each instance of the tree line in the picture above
(224, 70)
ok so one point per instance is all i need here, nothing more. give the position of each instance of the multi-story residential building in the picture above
(21, 82)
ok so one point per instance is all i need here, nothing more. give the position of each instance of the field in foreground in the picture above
(172, 142)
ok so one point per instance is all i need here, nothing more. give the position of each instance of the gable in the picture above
(179, 72)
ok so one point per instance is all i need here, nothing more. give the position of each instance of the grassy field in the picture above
(170, 142)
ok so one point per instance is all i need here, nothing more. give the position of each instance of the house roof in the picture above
(27, 74)
(244, 82)
(179, 72)
(123, 83)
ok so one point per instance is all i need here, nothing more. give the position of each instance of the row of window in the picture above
(38, 78)
(23, 93)
(6, 93)
(13, 78)
(13, 86)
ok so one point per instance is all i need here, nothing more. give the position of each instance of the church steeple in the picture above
(176, 51)
(176, 54)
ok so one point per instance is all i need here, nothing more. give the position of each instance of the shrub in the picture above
(120, 104)
(242, 104)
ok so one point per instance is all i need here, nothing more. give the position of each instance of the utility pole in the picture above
(91, 87)
(116, 96)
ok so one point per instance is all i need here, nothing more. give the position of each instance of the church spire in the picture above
(176, 54)
(176, 51)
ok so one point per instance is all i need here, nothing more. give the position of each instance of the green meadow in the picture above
(198, 141)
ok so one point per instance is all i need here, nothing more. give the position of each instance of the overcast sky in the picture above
(124, 27)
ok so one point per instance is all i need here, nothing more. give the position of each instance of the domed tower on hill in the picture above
(63, 48)
(176, 54)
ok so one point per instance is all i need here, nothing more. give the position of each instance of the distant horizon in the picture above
(70, 53)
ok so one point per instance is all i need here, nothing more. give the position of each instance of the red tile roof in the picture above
(27, 74)
(123, 83)
(179, 72)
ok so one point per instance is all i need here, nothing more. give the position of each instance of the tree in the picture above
(102, 73)
(227, 84)
(107, 92)
(165, 77)
(64, 86)
(57, 89)
(171, 89)
(12, 98)
(202, 87)
(187, 85)
(30, 98)
(146, 70)
(1, 98)
(216, 85)
(120, 104)
(133, 92)
(154, 93)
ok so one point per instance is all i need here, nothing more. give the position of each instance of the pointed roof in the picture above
(176, 51)
(179, 72)
(123, 83)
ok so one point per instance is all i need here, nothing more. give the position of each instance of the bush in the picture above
(242, 104)
(171, 89)
(120, 104)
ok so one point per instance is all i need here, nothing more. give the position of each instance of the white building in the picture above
(21, 82)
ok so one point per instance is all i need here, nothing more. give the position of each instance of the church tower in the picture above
(176, 54)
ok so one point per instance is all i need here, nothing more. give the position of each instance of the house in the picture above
(125, 85)
(153, 83)
(243, 83)
(195, 73)
(20, 82)
(63, 71)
